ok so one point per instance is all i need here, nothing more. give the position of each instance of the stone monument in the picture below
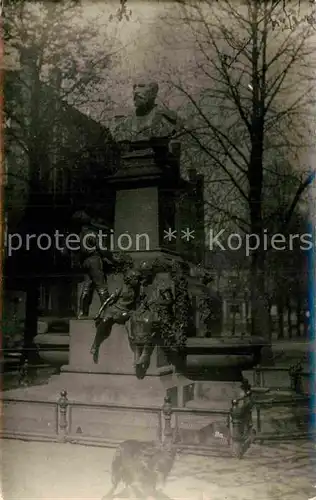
(118, 373)
(117, 390)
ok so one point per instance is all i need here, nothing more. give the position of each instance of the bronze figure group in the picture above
(149, 308)
(119, 307)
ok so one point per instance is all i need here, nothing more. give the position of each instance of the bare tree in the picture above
(258, 86)
(54, 45)
(62, 59)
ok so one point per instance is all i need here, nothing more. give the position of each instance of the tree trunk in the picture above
(306, 323)
(248, 314)
(289, 318)
(234, 323)
(280, 317)
(298, 315)
(259, 306)
(259, 303)
(31, 318)
(270, 319)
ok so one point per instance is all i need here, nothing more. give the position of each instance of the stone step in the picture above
(258, 391)
(282, 411)
(207, 404)
(279, 397)
(276, 377)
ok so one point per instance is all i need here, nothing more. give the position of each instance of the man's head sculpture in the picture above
(147, 271)
(132, 277)
(80, 218)
(144, 94)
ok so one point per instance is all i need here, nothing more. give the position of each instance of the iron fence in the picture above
(63, 421)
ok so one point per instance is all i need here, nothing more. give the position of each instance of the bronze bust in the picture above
(149, 119)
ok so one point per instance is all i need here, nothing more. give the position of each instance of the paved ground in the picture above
(47, 471)
(63, 471)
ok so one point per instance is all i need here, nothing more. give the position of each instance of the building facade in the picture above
(56, 158)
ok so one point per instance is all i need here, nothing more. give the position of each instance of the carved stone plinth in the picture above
(137, 164)
(137, 217)
(107, 401)
(115, 355)
(113, 378)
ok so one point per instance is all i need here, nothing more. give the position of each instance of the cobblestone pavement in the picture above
(63, 471)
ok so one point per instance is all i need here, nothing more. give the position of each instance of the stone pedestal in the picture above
(215, 394)
(152, 197)
(103, 403)
(137, 219)
(116, 356)
(113, 378)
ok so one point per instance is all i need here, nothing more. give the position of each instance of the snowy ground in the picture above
(50, 471)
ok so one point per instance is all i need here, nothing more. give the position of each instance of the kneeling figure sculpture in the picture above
(116, 309)
(153, 314)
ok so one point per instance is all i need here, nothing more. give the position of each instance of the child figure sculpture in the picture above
(118, 308)
(95, 262)
(149, 324)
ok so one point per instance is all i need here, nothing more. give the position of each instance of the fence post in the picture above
(249, 420)
(257, 382)
(245, 386)
(242, 432)
(236, 430)
(62, 415)
(258, 410)
(295, 373)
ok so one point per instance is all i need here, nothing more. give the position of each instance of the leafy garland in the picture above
(173, 313)
(183, 320)
(122, 262)
(175, 319)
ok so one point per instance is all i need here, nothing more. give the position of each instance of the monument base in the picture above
(113, 378)
(105, 401)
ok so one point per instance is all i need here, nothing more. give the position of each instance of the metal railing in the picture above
(290, 396)
(238, 421)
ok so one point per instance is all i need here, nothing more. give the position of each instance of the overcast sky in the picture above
(149, 45)
(145, 50)
(153, 47)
